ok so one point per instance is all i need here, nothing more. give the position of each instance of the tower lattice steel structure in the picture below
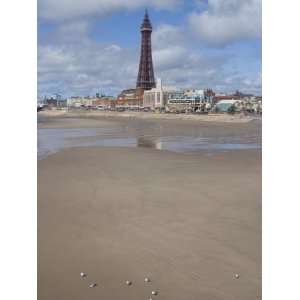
(145, 78)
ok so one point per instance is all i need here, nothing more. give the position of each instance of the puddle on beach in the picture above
(53, 140)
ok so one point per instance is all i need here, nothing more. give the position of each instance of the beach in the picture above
(188, 218)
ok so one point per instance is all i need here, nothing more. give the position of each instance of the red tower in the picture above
(145, 78)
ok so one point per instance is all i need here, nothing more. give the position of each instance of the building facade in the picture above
(77, 102)
(55, 103)
(187, 100)
(173, 99)
(131, 98)
(104, 102)
(157, 98)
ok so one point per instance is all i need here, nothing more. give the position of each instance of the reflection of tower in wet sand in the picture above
(154, 143)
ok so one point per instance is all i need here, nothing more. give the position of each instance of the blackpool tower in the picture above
(145, 78)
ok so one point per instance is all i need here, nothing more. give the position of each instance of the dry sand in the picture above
(188, 222)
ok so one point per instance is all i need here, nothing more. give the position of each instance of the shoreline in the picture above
(218, 118)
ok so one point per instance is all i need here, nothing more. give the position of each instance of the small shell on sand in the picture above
(128, 282)
(154, 293)
(82, 275)
(92, 285)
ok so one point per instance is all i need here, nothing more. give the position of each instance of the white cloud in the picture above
(115, 48)
(169, 58)
(75, 31)
(178, 63)
(76, 70)
(59, 10)
(167, 35)
(226, 21)
(249, 83)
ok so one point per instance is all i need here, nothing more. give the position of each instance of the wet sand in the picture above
(189, 222)
(173, 135)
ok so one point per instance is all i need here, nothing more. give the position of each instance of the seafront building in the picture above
(157, 97)
(130, 98)
(188, 100)
(76, 102)
(250, 105)
(54, 101)
(228, 104)
(176, 100)
(104, 102)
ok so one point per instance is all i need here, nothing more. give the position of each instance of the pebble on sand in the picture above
(154, 293)
(92, 285)
(128, 282)
(82, 275)
(237, 276)
(147, 279)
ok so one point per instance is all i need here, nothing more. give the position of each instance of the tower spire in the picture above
(146, 25)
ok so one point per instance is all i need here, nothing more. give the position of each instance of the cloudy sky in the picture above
(89, 46)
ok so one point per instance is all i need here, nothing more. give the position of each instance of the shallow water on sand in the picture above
(52, 140)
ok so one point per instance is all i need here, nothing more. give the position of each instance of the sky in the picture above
(93, 46)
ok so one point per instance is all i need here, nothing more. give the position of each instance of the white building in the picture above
(174, 99)
(156, 98)
(187, 100)
(79, 101)
(225, 105)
